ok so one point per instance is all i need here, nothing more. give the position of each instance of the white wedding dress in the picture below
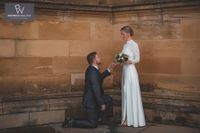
(132, 108)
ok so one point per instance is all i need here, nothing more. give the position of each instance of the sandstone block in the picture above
(46, 117)
(42, 48)
(64, 30)
(7, 48)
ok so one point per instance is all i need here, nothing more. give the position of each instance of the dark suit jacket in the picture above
(94, 93)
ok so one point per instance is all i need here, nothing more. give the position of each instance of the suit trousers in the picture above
(90, 122)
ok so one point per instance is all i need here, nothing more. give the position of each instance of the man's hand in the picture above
(112, 66)
(103, 107)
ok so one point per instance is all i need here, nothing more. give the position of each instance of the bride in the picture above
(132, 109)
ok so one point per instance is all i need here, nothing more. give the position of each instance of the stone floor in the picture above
(151, 128)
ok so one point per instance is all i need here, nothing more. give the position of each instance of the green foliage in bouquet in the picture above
(121, 57)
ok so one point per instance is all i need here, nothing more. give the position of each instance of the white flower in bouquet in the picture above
(121, 57)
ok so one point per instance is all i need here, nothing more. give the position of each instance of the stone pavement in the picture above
(151, 128)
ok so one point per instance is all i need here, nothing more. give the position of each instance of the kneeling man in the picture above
(94, 99)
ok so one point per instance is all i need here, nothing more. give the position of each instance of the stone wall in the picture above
(47, 53)
(46, 59)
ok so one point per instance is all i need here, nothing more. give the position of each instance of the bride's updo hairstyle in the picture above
(127, 29)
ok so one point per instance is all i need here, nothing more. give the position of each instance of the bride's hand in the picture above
(128, 62)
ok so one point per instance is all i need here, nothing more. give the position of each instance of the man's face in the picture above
(97, 60)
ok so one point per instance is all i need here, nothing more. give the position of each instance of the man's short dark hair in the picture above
(90, 57)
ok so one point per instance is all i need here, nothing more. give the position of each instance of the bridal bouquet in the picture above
(121, 57)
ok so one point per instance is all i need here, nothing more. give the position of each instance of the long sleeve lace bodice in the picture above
(132, 50)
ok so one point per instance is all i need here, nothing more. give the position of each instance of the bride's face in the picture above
(125, 36)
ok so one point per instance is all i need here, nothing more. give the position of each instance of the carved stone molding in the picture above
(98, 7)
